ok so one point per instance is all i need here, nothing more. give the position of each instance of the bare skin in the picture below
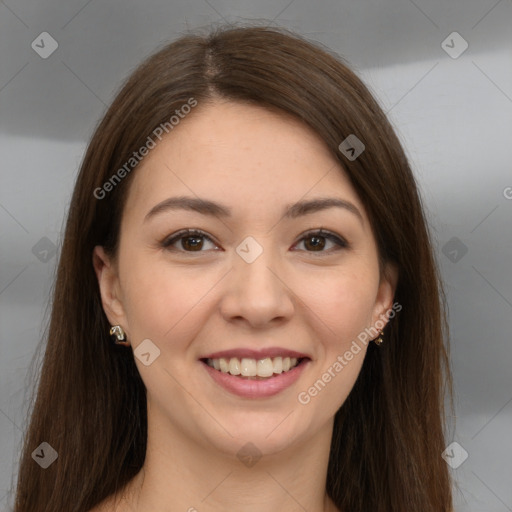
(304, 293)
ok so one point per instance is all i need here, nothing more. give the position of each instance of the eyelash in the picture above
(189, 233)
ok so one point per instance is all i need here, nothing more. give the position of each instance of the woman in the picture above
(247, 229)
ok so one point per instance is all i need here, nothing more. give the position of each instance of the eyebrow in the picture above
(291, 211)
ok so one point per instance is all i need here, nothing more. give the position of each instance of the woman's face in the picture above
(256, 281)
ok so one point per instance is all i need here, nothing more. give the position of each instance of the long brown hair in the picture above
(91, 402)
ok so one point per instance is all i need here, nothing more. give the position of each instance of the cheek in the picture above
(162, 298)
(343, 301)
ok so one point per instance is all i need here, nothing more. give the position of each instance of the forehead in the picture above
(242, 155)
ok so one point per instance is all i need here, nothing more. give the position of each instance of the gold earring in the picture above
(116, 331)
(378, 341)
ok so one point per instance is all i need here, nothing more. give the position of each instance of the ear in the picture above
(385, 295)
(108, 280)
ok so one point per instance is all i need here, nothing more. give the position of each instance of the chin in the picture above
(273, 433)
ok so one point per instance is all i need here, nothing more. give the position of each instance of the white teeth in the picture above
(265, 368)
(224, 365)
(234, 366)
(248, 367)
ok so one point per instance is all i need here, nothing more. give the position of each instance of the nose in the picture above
(257, 293)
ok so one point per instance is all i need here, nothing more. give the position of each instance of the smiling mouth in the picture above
(255, 369)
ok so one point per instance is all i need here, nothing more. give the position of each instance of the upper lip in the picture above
(251, 353)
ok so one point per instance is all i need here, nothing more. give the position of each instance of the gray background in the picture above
(454, 116)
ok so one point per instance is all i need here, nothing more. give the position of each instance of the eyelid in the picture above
(340, 241)
(184, 233)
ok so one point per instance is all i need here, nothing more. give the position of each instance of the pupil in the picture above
(195, 244)
(317, 242)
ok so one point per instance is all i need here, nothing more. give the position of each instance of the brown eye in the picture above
(317, 240)
(191, 241)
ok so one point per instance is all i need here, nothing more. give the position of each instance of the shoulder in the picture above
(101, 508)
(119, 501)
(108, 505)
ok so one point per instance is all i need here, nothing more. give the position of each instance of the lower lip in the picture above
(248, 388)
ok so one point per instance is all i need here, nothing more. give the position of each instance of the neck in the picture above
(180, 474)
